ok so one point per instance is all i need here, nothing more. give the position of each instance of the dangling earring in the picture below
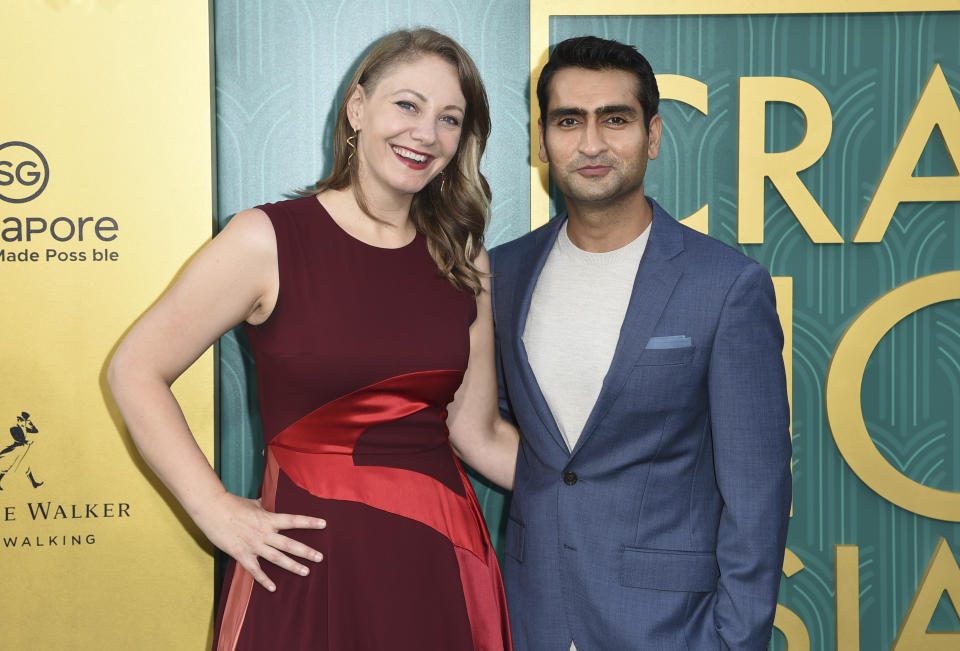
(443, 179)
(352, 143)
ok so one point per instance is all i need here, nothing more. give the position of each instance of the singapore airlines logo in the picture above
(13, 454)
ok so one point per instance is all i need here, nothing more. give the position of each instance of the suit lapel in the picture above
(528, 272)
(656, 278)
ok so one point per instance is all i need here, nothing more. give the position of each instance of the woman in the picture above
(368, 310)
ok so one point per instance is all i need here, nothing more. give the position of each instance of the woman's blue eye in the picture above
(406, 106)
(449, 119)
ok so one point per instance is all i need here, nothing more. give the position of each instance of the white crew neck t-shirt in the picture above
(574, 322)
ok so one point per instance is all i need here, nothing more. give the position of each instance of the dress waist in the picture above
(335, 427)
(317, 453)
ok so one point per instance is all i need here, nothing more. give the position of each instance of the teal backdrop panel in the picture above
(281, 70)
(871, 69)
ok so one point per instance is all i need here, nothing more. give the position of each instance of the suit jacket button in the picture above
(570, 478)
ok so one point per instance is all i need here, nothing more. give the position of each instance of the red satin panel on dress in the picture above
(316, 452)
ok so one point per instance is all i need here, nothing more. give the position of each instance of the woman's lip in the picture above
(412, 164)
(415, 151)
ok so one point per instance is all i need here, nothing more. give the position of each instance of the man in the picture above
(642, 362)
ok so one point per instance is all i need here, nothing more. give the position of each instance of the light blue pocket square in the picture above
(673, 341)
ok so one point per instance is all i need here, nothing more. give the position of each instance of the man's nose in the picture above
(591, 139)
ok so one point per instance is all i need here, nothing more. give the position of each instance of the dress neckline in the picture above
(326, 213)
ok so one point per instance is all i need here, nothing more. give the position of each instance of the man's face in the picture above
(593, 135)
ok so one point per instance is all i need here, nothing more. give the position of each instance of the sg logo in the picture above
(23, 172)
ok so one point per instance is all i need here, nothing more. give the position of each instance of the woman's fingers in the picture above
(251, 565)
(283, 521)
(248, 532)
(295, 547)
(275, 547)
(281, 560)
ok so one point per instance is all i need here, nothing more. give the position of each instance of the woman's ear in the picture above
(355, 108)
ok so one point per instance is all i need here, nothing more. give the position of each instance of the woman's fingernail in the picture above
(322, 524)
(304, 571)
(318, 556)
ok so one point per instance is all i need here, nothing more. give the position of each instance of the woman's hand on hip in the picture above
(248, 532)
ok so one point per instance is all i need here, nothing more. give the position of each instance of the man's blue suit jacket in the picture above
(665, 527)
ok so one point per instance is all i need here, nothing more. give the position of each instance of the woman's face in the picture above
(409, 126)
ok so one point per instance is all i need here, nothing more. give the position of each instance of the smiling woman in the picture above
(417, 99)
(406, 137)
(367, 306)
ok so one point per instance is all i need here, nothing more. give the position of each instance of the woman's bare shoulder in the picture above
(252, 230)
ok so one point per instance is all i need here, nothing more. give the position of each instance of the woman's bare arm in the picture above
(478, 434)
(232, 279)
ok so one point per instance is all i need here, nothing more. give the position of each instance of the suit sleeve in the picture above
(751, 440)
(506, 411)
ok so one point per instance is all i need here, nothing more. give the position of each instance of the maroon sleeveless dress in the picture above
(355, 366)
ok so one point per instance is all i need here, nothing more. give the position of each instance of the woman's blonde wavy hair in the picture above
(452, 220)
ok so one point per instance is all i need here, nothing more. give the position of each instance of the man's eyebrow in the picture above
(623, 109)
(564, 111)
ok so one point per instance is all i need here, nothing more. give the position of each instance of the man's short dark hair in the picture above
(595, 53)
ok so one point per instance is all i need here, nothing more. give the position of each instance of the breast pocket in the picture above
(666, 356)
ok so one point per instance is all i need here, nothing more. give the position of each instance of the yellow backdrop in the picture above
(105, 190)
